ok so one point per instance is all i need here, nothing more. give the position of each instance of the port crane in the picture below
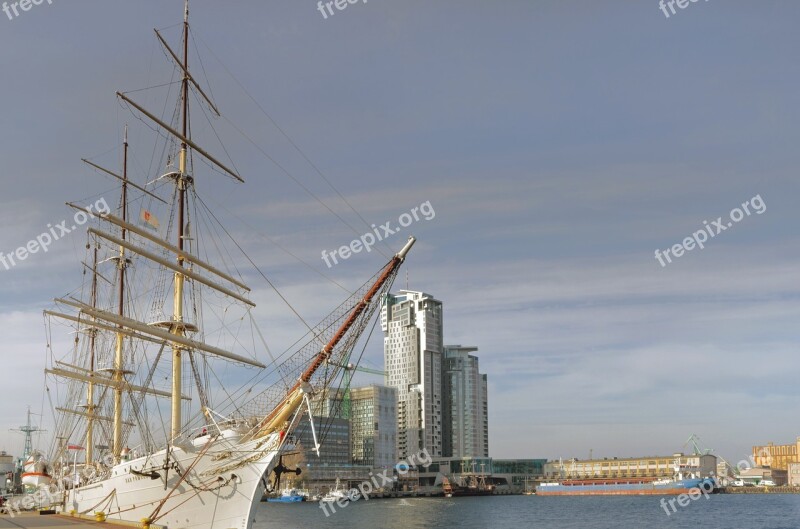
(694, 440)
(346, 378)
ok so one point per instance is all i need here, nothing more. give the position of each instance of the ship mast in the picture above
(178, 327)
(90, 407)
(118, 352)
(173, 331)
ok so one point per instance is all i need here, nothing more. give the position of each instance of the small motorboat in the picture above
(288, 496)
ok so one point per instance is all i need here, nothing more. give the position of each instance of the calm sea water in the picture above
(752, 511)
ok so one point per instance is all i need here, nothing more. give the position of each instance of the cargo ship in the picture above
(625, 487)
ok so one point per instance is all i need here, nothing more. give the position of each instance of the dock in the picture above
(35, 520)
(783, 489)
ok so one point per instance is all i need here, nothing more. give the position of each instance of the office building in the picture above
(328, 403)
(373, 426)
(465, 413)
(333, 434)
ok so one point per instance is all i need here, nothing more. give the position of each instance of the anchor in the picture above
(152, 474)
(279, 469)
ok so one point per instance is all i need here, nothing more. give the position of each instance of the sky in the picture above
(559, 143)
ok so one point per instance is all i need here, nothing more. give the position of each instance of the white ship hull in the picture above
(207, 487)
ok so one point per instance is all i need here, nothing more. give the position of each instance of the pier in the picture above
(34, 520)
(761, 490)
(39, 520)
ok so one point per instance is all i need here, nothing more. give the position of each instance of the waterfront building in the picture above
(755, 475)
(776, 456)
(725, 470)
(509, 475)
(793, 474)
(656, 466)
(465, 412)
(413, 326)
(351, 446)
(373, 426)
(7, 469)
(333, 434)
(328, 403)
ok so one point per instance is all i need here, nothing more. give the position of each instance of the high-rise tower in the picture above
(465, 411)
(412, 326)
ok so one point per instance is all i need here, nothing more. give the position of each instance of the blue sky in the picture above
(560, 144)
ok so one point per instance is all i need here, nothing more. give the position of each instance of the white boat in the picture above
(338, 494)
(139, 323)
(289, 495)
(35, 471)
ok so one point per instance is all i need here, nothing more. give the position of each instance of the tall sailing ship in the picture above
(148, 426)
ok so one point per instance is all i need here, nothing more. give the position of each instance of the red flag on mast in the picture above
(150, 220)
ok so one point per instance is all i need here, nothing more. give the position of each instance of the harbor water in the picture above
(722, 511)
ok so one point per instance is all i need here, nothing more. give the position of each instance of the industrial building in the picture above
(656, 466)
(793, 474)
(776, 456)
(755, 476)
(725, 470)
(8, 471)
